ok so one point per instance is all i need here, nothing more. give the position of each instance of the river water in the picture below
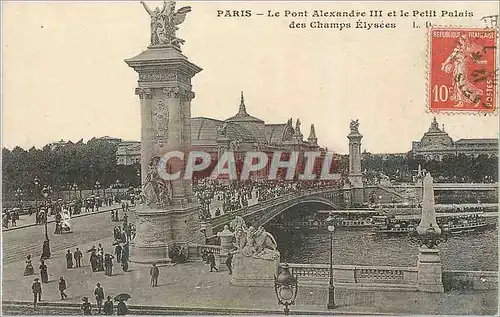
(469, 251)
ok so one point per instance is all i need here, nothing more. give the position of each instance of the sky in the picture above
(64, 75)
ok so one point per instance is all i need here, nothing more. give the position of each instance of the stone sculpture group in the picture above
(251, 242)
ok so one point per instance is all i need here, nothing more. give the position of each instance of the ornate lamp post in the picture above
(75, 189)
(285, 287)
(46, 244)
(331, 287)
(36, 182)
(97, 186)
(19, 195)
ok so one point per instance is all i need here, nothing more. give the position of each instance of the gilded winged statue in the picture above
(164, 23)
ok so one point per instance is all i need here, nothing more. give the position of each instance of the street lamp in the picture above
(36, 182)
(331, 288)
(285, 287)
(46, 244)
(75, 188)
(19, 194)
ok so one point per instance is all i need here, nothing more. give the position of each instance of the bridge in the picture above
(330, 198)
(262, 212)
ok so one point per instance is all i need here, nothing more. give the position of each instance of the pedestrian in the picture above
(229, 262)
(99, 296)
(112, 215)
(108, 308)
(154, 272)
(78, 257)
(44, 275)
(28, 269)
(86, 306)
(118, 252)
(37, 292)
(121, 308)
(62, 288)
(93, 261)
(211, 259)
(69, 260)
(108, 264)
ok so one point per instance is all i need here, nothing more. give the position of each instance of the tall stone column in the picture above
(170, 215)
(355, 175)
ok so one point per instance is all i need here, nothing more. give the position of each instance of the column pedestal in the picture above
(430, 271)
(159, 230)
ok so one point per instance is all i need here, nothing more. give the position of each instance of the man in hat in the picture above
(62, 288)
(99, 296)
(86, 307)
(211, 260)
(154, 272)
(108, 308)
(37, 292)
(78, 257)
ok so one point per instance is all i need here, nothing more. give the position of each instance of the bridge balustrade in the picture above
(377, 277)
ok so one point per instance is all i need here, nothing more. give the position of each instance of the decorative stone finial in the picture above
(243, 108)
(312, 136)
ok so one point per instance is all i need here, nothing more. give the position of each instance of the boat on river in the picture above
(457, 223)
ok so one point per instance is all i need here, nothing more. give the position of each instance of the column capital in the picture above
(178, 92)
(144, 93)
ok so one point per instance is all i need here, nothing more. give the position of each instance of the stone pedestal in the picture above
(429, 271)
(159, 230)
(249, 271)
(226, 239)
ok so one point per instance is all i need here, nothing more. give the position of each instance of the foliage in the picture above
(60, 167)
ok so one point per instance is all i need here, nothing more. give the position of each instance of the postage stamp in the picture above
(462, 70)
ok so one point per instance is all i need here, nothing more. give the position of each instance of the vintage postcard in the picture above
(257, 158)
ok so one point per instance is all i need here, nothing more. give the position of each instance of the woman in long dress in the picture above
(28, 269)
(44, 275)
(456, 63)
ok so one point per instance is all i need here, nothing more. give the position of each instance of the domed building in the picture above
(436, 143)
(243, 132)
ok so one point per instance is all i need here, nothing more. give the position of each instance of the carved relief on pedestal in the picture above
(149, 233)
(160, 122)
(156, 75)
(177, 92)
(144, 93)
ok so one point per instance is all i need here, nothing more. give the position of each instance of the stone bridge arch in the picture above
(261, 218)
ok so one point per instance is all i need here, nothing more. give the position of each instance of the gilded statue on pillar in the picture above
(156, 192)
(164, 23)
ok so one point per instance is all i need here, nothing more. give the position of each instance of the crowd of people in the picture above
(232, 196)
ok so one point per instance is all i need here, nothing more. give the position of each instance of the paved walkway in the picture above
(17, 244)
(192, 285)
(29, 221)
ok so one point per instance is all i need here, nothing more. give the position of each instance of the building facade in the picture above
(436, 143)
(239, 133)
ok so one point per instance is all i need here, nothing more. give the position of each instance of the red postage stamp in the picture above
(463, 70)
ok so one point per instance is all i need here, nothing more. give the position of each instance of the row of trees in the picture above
(62, 167)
